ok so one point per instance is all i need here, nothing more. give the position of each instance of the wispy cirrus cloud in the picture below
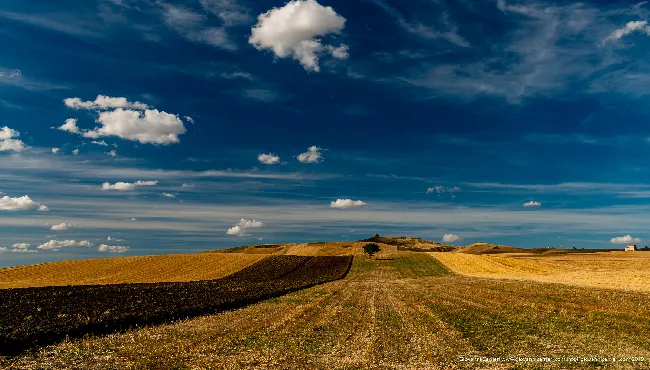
(545, 50)
(443, 28)
(195, 27)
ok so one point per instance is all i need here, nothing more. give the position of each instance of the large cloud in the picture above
(292, 31)
(134, 121)
(148, 127)
(127, 186)
(627, 239)
(7, 143)
(312, 155)
(347, 203)
(113, 248)
(55, 245)
(241, 227)
(23, 203)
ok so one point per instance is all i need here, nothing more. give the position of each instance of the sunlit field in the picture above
(611, 270)
(404, 310)
(147, 269)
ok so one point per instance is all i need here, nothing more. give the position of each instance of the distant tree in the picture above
(371, 249)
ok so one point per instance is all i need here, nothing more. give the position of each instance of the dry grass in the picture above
(399, 313)
(337, 249)
(147, 269)
(613, 270)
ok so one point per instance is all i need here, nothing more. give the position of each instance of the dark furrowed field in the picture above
(42, 316)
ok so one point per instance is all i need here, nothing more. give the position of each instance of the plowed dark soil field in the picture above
(41, 316)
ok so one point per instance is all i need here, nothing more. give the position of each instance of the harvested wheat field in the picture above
(147, 269)
(337, 249)
(311, 249)
(612, 270)
(402, 312)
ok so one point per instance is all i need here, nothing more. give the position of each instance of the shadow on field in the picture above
(47, 315)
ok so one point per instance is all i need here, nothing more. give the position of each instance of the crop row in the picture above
(40, 316)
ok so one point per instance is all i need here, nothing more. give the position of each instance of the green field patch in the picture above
(414, 265)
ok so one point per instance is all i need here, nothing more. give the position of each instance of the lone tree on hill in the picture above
(371, 249)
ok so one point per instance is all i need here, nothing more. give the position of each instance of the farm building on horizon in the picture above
(630, 248)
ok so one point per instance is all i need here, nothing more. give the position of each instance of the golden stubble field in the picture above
(612, 270)
(403, 311)
(166, 268)
(146, 269)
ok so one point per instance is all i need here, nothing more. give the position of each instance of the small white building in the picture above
(630, 248)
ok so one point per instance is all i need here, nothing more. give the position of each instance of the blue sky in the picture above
(512, 122)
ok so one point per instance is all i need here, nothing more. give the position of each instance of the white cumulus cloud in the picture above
(70, 126)
(532, 203)
(7, 143)
(120, 186)
(75, 152)
(55, 150)
(103, 102)
(55, 245)
(127, 120)
(450, 238)
(168, 195)
(312, 155)
(8, 133)
(18, 248)
(23, 203)
(112, 153)
(241, 227)
(61, 226)
(347, 203)
(627, 239)
(294, 30)
(112, 248)
(148, 127)
(12, 145)
(127, 186)
(268, 158)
